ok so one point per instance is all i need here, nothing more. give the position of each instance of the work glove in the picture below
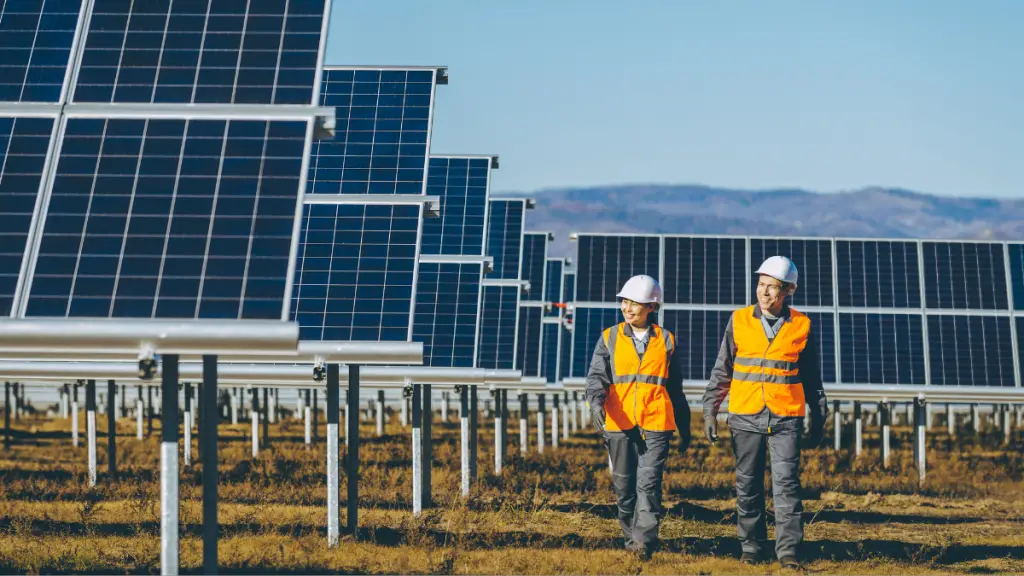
(711, 428)
(815, 435)
(597, 416)
(684, 439)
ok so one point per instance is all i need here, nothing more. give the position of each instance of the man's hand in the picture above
(684, 439)
(711, 428)
(815, 435)
(597, 416)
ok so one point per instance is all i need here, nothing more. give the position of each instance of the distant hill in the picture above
(690, 209)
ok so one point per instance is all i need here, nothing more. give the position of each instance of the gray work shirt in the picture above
(810, 376)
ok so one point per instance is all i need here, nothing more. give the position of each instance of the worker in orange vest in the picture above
(768, 365)
(635, 395)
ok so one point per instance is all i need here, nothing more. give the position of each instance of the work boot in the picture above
(790, 562)
(751, 558)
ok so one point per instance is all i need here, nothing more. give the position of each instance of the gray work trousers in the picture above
(637, 469)
(750, 449)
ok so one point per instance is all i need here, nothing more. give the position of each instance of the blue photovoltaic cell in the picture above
(23, 146)
(381, 135)
(447, 304)
(699, 333)
(354, 272)
(549, 352)
(878, 274)
(35, 44)
(499, 307)
(970, 350)
(705, 271)
(553, 285)
(1016, 252)
(505, 237)
(965, 275)
(535, 257)
(162, 218)
(589, 323)
(564, 353)
(193, 51)
(569, 287)
(461, 185)
(813, 259)
(606, 262)
(881, 348)
(528, 344)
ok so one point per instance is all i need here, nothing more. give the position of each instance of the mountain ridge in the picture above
(868, 212)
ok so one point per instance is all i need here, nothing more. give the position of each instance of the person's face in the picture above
(771, 293)
(635, 313)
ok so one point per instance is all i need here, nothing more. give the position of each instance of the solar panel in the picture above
(553, 285)
(220, 51)
(461, 184)
(535, 257)
(161, 218)
(24, 144)
(550, 338)
(36, 37)
(881, 348)
(699, 334)
(878, 274)
(606, 262)
(505, 237)
(1016, 254)
(499, 322)
(706, 271)
(564, 353)
(970, 350)
(447, 306)
(813, 259)
(588, 324)
(569, 287)
(965, 275)
(528, 351)
(382, 131)
(355, 271)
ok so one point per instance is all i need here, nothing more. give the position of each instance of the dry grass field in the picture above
(545, 514)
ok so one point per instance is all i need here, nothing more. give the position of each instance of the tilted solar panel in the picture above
(499, 325)
(355, 272)
(813, 259)
(553, 285)
(970, 350)
(965, 275)
(564, 353)
(170, 218)
(589, 323)
(706, 271)
(505, 222)
(1016, 257)
(550, 344)
(383, 130)
(447, 306)
(606, 262)
(528, 341)
(202, 51)
(699, 334)
(24, 143)
(36, 39)
(461, 184)
(534, 266)
(881, 349)
(878, 274)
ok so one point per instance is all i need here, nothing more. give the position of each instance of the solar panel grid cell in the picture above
(528, 344)
(705, 271)
(965, 275)
(382, 132)
(535, 253)
(447, 301)
(606, 262)
(355, 272)
(499, 325)
(881, 348)
(505, 237)
(970, 350)
(878, 274)
(36, 37)
(550, 352)
(553, 285)
(461, 186)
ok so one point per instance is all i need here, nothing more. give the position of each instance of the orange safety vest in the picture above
(766, 374)
(638, 395)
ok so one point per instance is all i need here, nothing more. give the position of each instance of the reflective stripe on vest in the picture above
(768, 374)
(638, 395)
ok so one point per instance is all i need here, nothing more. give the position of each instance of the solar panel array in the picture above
(449, 291)
(883, 311)
(154, 210)
(357, 270)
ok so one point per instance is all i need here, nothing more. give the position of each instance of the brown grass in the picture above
(546, 514)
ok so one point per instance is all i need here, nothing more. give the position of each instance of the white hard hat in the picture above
(780, 268)
(642, 289)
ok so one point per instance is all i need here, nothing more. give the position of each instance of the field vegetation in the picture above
(550, 513)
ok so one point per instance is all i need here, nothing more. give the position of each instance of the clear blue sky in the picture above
(823, 95)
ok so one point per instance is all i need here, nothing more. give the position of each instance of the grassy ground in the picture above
(546, 514)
